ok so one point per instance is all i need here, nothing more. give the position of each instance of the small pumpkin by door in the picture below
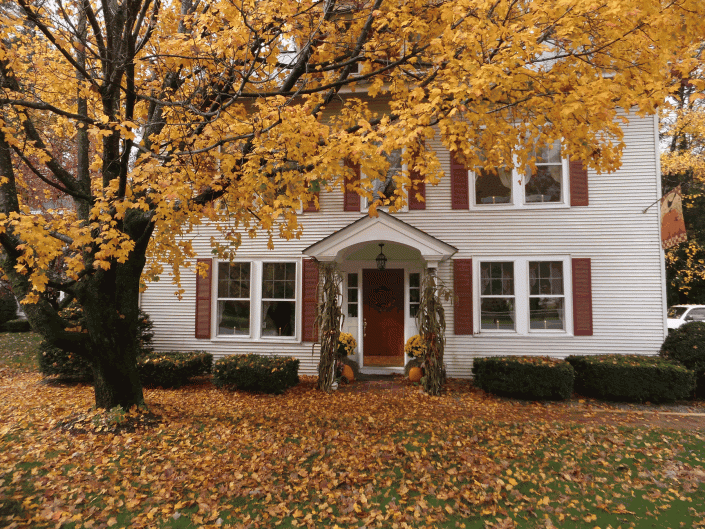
(348, 373)
(415, 374)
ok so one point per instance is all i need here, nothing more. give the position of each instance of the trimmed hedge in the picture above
(16, 326)
(631, 378)
(251, 372)
(69, 367)
(173, 369)
(525, 377)
(686, 346)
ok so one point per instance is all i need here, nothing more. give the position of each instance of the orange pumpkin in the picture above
(348, 373)
(415, 374)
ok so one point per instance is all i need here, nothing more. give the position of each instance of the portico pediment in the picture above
(382, 228)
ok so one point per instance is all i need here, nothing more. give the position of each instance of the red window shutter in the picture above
(582, 297)
(203, 301)
(578, 183)
(462, 279)
(418, 187)
(459, 191)
(311, 205)
(309, 307)
(352, 199)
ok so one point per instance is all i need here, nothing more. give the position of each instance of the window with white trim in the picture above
(414, 293)
(546, 185)
(523, 295)
(385, 187)
(234, 299)
(497, 305)
(257, 299)
(353, 293)
(278, 299)
(546, 295)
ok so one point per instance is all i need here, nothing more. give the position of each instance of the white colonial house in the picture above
(563, 262)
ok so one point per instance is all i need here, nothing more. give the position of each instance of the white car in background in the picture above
(680, 314)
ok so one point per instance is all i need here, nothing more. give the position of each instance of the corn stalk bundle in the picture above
(328, 321)
(431, 323)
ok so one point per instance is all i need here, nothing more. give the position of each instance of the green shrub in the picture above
(8, 304)
(631, 378)
(65, 366)
(173, 369)
(16, 326)
(686, 346)
(251, 372)
(525, 377)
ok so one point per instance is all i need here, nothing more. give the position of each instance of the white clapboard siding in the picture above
(621, 241)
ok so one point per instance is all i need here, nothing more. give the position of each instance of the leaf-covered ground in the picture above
(373, 456)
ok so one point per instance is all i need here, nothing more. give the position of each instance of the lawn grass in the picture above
(18, 350)
(384, 458)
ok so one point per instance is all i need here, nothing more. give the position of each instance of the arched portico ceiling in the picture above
(383, 228)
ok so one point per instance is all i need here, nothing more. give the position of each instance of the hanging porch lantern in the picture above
(381, 258)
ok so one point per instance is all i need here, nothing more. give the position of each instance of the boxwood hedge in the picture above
(632, 378)
(173, 369)
(252, 372)
(526, 377)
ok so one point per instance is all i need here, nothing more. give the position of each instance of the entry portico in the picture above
(380, 305)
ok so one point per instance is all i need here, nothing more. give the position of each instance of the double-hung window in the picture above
(545, 185)
(497, 303)
(234, 298)
(257, 299)
(278, 299)
(384, 188)
(523, 295)
(546, 295)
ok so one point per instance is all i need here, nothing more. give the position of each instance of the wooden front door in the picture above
(383, 313)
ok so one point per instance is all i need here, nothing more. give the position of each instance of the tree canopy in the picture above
(683, 163)
(144, 119)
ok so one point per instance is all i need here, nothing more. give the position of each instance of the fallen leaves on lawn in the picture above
(385, 458)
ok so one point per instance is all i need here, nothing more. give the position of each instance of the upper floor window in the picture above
(545, 184)
(385, 188)
(504, 186)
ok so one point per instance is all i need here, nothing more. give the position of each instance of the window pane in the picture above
(551, 154)
(493, 186)
(234, 317)
(278, 280)
(546, 313)
(352, 295)
(414, 295)
(352, 280)
(497, 279)
(352, 310)
(497, 313)
(545, 184)
(414, 280)
(233, 280)
(278, 318)
(413, 310)
(546, 278)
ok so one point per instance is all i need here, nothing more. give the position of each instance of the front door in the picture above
(383, 317)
